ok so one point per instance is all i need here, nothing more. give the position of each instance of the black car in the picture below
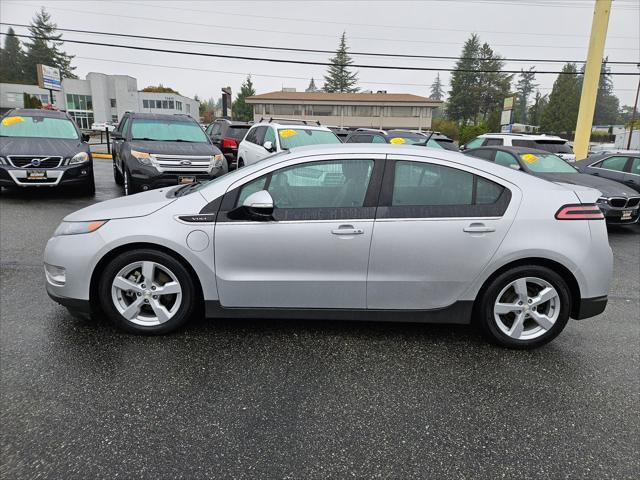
(407, 137)
(227, 135)
(618, 203)
(44, 148)
(155, 150)
(341, 132)
(621, 167)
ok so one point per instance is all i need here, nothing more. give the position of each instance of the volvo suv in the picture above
(44, 148)
(154, 150)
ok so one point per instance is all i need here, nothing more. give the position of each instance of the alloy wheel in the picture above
(126, 182)
(527, 308)
(146, 293)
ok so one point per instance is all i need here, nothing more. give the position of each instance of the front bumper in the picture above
(74, 304)
(65, 175)
(590, 307)
(148, 178)
(614, 216)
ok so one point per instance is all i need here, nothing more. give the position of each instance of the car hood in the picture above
(41, 146)
(173, 148)
(607, 187)
(138, 205)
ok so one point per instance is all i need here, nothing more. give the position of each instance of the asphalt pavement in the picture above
(303, 399)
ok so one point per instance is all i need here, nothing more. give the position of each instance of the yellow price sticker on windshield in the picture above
(529, 157)
(397, 140)
(11, 121)
(288, 133)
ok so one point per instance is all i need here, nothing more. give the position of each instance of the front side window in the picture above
(298, 137)
(330, 184)
(37, 127)
(166, 130)
(614, 163)
(546, 163)
(270, 136)
(378, 139)
(635, 166)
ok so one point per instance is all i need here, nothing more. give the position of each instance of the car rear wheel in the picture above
(147, 292)
(117, 176)
(524, 307)
(240, 163)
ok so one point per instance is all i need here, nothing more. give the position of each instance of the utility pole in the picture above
(633, 116)
(591, 80)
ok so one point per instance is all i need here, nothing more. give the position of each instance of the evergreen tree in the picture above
(240, 109)
(561, 113)
(524, 88)
(45, 50)
(537, 108)
(493, 85)
(11, 59)
(464, 104)
(312, 86)
(437, 92)
(339, 78)
(607, 104)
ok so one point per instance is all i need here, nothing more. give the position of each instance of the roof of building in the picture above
(343, 97)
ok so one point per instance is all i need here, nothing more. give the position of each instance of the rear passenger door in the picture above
(436, 228)
(632, 175)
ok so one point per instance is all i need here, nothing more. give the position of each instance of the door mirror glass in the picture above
(268, 146)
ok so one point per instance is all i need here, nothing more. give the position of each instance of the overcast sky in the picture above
(543, 29)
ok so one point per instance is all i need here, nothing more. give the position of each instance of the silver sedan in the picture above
(380, 232)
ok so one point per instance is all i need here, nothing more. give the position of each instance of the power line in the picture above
(375, 25)
(253, 74)
(310, 50)
(271, 32)
(298, 62)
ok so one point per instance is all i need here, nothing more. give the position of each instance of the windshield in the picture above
(34, 127)
(441, 143)
(407, 139)
(167, 130)
(298, 137)
(546, 163)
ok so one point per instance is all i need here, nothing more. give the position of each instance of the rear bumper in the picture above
(590, 307)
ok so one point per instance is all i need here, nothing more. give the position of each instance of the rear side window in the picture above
(251, 136)
(491, 142)
(428, 184)
(484, 154)
(360, 139)
(523, 143)
(614, 163)
(553, 146)
(237, 132)
(260, 131)
(506, 160)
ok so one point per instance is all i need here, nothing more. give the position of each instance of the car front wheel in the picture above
(524, 307)
(147, 292)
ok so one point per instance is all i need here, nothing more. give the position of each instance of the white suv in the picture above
(548, 143)
(270, 136)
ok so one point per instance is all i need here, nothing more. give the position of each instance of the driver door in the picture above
(314, 253)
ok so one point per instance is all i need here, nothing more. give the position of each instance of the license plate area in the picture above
(626, 215)
(36, 175)
(186, 180)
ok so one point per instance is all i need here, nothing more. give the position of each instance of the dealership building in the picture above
(99, 98)
(367, 109)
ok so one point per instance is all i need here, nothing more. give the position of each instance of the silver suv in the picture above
(387, 232)
(548, 143)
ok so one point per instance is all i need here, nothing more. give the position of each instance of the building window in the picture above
(188, 107)
(323, 110)
(401, 112)
(165, 104)
(172, 105)
(178, 105)
(114, 118)
(113, 103)
(83, 119)
(145, 103)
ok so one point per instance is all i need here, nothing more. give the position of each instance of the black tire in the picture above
(117, 176)
(128, 184)
(183, 313)
(240, 163)
(485, 307)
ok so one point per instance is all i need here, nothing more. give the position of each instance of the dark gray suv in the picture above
(155, 150)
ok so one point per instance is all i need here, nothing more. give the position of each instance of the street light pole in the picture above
(633, 116)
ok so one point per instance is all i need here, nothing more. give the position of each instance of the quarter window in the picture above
(506, 160)
(614, 163)
(476, 142)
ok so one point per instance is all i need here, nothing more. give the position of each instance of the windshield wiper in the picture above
(181, 140)
(147, 139)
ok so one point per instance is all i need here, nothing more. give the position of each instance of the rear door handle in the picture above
(347, 230)
(478, 228)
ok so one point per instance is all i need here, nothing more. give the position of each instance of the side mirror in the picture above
(268, 146)
(257, 206)
(515, 167)
(462, 148)
(85, 137)
(116, 135)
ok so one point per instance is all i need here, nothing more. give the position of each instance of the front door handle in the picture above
(347, 230)
(478, 228)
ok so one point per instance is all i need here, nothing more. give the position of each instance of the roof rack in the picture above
(287, 120)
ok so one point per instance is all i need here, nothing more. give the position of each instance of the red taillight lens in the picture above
(229, 143)
(579, 212)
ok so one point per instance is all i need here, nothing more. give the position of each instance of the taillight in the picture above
(229, 143)
(580, 212)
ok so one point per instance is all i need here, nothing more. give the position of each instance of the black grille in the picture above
(618, 202)
(41, 161)
(633, 202)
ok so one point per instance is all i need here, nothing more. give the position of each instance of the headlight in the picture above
(79, 158)
(75, 228)
(3, 161)
(602, 200)
(217, 160)
(143, 157)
